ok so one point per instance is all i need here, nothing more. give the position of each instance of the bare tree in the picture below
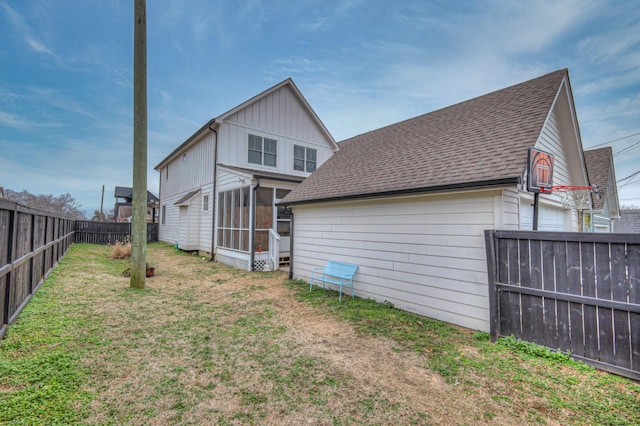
(63, 204)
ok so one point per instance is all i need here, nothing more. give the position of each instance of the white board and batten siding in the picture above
(190, 169)
(279, 116)
(197, 222)
(425, 254)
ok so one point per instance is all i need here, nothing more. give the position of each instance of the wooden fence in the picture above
(577, 292)
(109, 232)
(31, 244)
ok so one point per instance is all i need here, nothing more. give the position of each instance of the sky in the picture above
(66, 73)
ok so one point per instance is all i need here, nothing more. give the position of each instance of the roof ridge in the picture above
(458, 104)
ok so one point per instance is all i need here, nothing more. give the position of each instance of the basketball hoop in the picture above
(574, 197)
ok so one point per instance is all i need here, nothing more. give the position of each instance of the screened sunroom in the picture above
(252, 233)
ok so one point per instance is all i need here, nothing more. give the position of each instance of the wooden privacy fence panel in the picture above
(31, 243)
(88, 231)
(577, 292)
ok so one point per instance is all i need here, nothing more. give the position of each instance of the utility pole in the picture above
(139, 217)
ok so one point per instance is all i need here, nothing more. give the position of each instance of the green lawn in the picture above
(207, 344)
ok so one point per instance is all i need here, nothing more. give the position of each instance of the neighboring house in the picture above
(218, 189)
(606, 207)
(409, 203)
(122, 210)
(629, 222)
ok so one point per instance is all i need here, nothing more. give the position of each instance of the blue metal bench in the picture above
(334, 273)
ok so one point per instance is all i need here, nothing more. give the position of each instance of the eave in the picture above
(412, 191)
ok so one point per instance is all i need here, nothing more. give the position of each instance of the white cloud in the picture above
(29, 38)
(14, 121)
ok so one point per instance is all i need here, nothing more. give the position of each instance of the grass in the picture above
(206, 344)
(562, 387)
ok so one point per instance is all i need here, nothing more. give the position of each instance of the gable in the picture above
(560, 137)
(281, 107)
(280, 112)
(601, 172)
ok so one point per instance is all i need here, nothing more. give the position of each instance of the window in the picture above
(304, 159)
(164, 214)
(167, 175)
(205, 203)
(184, 158)
(262, 151)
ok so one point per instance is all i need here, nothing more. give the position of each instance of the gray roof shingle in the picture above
(474, 143)
(598, 162)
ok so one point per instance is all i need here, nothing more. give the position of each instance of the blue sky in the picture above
(66, 73)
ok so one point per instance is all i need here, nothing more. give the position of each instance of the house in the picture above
(606, 207)
(409, 203)
(629, 222)
(218, 189)
(122, 210)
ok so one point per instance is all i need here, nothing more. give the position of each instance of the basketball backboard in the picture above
(540, 170)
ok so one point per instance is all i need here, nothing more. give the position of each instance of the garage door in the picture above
(549, 218)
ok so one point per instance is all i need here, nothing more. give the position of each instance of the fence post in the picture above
(11, 252)
(494, 303)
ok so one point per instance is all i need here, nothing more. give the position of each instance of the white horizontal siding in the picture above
(425, 254)
(510, 210)
(550, 140)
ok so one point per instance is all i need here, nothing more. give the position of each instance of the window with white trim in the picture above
(263, 151)
(164, 215)
(205, 203)
(304, 159)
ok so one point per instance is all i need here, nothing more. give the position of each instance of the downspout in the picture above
(253, 227)
(290, 211)
(214, 196)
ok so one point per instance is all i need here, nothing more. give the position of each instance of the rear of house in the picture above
(218, 189)
(409, 202)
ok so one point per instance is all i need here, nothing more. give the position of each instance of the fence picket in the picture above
(27, 248)
(633, 278)
(588, 288)
(87, 231)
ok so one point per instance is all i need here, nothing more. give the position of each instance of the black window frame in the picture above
(304, 163)
(262, 151)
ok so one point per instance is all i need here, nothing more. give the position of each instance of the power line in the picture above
(627, 149)
(633, 180)
(615, 140)
(628, 177)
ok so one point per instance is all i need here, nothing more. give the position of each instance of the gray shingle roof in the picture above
(127, 192)
(598, 162)
(629, 222)
(474, 143)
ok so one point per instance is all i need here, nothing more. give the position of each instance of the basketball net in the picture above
(574, 197)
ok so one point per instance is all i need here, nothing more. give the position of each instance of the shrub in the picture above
(120, 251)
